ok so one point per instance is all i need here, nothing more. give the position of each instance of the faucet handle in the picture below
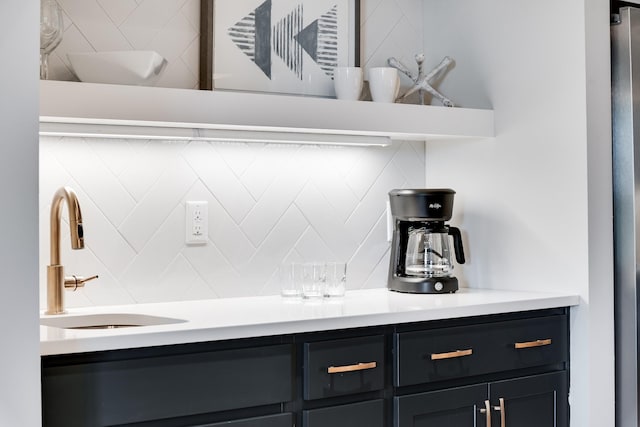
(74, 282)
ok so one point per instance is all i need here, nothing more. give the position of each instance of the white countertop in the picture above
(221, 319)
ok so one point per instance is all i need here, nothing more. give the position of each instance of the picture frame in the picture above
(277, 46)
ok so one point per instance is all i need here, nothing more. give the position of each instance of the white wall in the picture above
(598, 341)
(267, 203)
(535, 202)
(19, 357)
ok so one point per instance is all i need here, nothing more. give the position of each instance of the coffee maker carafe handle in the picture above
(457, 244)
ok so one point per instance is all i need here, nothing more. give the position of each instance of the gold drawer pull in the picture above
(452, 354)
(351, 368)
(530, 344)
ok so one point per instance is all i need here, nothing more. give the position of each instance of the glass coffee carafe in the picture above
(421, 254)
(428, 254)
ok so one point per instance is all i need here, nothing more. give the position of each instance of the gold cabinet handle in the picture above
(503, 415)
(487, 412)
(351, 368)
(452, 354)
(531, 344)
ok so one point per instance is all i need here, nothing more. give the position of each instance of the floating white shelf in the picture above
(73, 102)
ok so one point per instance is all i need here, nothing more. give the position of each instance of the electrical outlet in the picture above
(197, 221)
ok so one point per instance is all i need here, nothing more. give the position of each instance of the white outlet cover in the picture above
(196, 223)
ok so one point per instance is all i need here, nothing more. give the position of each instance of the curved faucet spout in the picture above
(56, 281)
(65, 194)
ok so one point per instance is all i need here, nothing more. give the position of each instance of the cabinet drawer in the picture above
(455, 352)
(152, 388)
(279, 420)
(369, 414)
(346, 366)
(438, 354)
(530, 342)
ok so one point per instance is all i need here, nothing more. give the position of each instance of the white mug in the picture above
(348, 82)
(384, 83)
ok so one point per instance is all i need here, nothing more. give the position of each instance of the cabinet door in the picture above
(365, 414)
(535, 401)
(455, 407)
(279, 420)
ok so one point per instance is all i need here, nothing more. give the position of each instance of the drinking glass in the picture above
(336, 274)
(51, 28)
(290, 283)
(313, 280)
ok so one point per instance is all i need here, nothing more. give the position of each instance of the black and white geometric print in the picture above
(256, 36)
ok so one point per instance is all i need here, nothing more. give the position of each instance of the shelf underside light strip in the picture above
(121, 130)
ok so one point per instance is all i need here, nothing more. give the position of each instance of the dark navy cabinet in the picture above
(343, 367)
(369, 413)
(510, 372)
(499, 370)
(534, 401)
(458, 407)
(431, 355)
(279, 420)
(128, 387)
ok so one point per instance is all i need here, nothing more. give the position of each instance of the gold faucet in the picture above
(56, 281)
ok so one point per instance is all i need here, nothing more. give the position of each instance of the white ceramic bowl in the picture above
(127, 67)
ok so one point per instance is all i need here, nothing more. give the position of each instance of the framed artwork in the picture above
(277, 46)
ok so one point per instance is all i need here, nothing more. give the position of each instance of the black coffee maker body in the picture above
(420, 251)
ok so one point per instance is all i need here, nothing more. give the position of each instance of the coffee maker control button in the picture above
(438, 286)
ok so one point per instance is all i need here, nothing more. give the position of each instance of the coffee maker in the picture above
(420, 251)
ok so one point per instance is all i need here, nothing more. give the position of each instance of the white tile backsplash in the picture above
(220, 179)
(223, 229)
(97, 180)
(371, 260)
(268, 203)
(323, 220)
(118, 10)
(153, 209)
(95, 25)
(300, 215)
(147, 21)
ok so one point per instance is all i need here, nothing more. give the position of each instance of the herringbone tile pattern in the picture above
(267, 204)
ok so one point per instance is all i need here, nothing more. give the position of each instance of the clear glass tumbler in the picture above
(313, 280)
(336, 283)
(290, 285)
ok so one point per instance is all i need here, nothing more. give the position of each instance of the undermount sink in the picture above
(106, 321)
